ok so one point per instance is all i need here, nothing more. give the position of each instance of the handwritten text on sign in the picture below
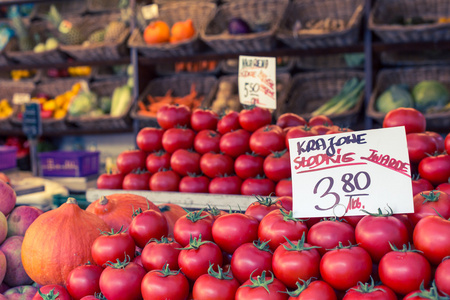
(257, 81)
(340, 174)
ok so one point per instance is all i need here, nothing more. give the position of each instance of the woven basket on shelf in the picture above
(415, 57)
(180, 86)
(411, 76)
(198, 12)
(104, 88)
(8, 89)
(102, 5)
(230, 66)
(350, 11)
(65, 8)
(310, 90)
(31, 57)
(97, 51)
(385, 13)
(216, 34)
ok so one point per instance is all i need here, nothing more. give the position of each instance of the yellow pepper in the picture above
(49, 105)
(59, 114)
(76, 88)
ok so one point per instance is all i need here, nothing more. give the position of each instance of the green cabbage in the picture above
(430, 94)
(395, 96)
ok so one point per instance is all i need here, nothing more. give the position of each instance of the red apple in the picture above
(15, 273)
(23, 292)
(20, 219)
(7, 198)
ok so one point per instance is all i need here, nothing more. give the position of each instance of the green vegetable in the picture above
(397, 95)
(105, 104)
(82, 104)
(121, 100)
(430, 94)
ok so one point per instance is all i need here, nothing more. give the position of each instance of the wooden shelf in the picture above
(125, 60)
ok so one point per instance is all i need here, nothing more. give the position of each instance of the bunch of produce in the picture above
(195, 66)
(5, 109)
(426, 96)
(319, 26)
(238, 26)
(17, 75)
(77, 71)
(158, 32)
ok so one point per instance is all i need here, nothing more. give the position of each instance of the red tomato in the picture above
(254, 117)
(262, 288)
(251, 259)
(122, 281)
(440, 143)
(422, 293)
(261, 207)
(412, 119)
(286, 202)
(149, 139)
(320, 120)
(136, 180)
(432, 237)
(110, 181)
(111, 246)
(258, 186)
(229, 122)
(447, 143)
(165, 180)
(297, 132)
(353, 220)
(376, 232)
(249, 165)
(277, 165)
(336, 129)
(130, 160)
(207, 141)
(296, 260)
(419, 146)
(420, 185)
(215, 285)
(327, 234)
(267, 139)
(216, 213)
(313, 290)
(194, 184)
(157, 253)
(185, 162)
(290, 120)
(430, 203)
(235, 143)
(165, 284)
(404, 271)
(319, 129)
(178, 138)
(157, 161)
(215, 164)
(52, 291)
(445, 187)
(284, 188)
(364, 291)
(442, 276)
(83, 281)
(278, 225)
(345, 266)
(204, 119)
(435, 169)
(232, 230)
(170, 116)
(230, 185)
(193, 225)
(147, 225)
(195, 258)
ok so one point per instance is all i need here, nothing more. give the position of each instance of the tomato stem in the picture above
(260, 281)
(300, 245)
(50, 295)
(301, 286)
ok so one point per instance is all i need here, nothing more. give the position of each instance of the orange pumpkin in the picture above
(172, 212)
(157, 32)
(117, 209)
(58, 241)
(182, 31)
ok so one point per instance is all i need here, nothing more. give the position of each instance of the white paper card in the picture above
(340, 174)
(21, 98)
(150, 12)
(257, 81)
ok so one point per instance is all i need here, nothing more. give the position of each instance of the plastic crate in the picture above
(8, 157)
(69, 163)
(60, 199)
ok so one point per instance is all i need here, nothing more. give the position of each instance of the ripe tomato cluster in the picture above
(200, 152)
(265, 252)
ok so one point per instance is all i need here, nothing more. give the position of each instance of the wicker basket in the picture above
(415, 58)
(311, 90)
(231, 66)
(30, 57)
(350, 11)
(324, 62)
(35, 76)
(181, 86)
(216, 35)
(385, 12)
(65, 8)
(8, 89)
(104, 88)
(107, 72)
(411, 76)
(102, 5)
(98, 51)
(198, 12)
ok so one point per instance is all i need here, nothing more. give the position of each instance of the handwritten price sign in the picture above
(257, 81)
(341, 174)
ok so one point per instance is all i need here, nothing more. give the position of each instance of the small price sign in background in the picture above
(257, 81)
(342, 174)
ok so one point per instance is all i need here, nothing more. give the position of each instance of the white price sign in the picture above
(342, 174)
(257, 81)
(21, 98)
(150, 11)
